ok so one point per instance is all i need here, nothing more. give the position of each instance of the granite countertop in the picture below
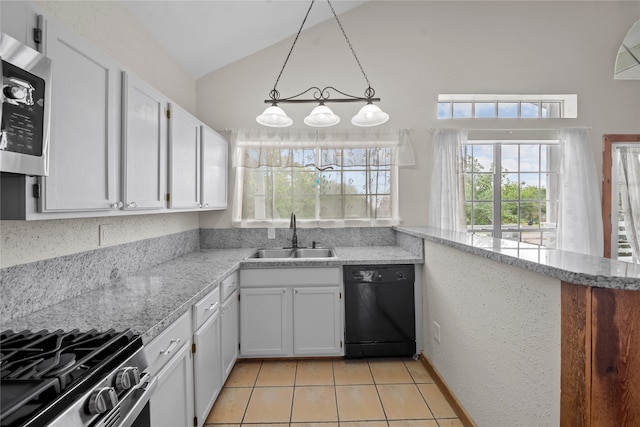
(150, 300)
(566, 266)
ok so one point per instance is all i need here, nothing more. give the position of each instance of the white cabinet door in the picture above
(207, 365)
(172, 402)
(144, 145)
(317, 321)
(184, 159)
(229, 334)
(214, 169)
(264, 322)
(84, 162)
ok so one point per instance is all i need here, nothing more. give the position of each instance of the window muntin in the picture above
(465, 106)
(321, 185)
(520, 202)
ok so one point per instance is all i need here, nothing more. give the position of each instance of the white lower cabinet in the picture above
(169, 357)
(317, 329)
(303, 317)
(207, 366)
(264, 322)
(229, 333)
(172, 402)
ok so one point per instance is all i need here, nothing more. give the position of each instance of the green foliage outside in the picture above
(530, 203)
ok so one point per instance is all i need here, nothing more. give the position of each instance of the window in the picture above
(511, 190)
(346, 183)
(467, 106)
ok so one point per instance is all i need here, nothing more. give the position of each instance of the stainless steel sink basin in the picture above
(272, 253)
(314, 253)
(294, 253)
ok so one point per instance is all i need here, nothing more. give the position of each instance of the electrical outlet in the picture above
(436, 331)
(271, 233)
(105, 234)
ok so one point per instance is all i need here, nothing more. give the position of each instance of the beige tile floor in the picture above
(331, 393)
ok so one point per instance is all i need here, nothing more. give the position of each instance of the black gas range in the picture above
(73, 379)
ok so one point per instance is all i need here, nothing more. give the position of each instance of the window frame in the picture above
(497, 198)
(393, 170)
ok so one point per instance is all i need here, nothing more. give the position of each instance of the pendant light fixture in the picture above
(321, 115)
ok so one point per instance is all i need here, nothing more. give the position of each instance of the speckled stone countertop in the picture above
(150, 300)
(567, 266)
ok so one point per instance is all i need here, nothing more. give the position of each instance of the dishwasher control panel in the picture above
(379, 273)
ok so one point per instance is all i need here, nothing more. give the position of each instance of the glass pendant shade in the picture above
(321, 117)
(274, 117)
(370, 115)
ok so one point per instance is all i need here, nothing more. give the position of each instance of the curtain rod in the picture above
(507, 130)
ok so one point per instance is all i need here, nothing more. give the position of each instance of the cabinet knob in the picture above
(206, 205)
(117, 205)
(132, 205)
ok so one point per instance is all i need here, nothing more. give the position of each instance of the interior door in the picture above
(613, 224)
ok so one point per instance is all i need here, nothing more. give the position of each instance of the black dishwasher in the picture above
(379, 311)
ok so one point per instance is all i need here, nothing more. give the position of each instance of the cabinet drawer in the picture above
(206, 307)
(168, 343)
(229, 285)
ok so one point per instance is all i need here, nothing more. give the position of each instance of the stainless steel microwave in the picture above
(26, 109)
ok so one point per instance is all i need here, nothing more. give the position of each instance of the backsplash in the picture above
(26, 288)
(225, 238)
(29, 287)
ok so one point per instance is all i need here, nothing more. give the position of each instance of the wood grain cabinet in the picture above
(600, 372)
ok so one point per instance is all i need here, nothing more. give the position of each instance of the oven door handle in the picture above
(148, 386)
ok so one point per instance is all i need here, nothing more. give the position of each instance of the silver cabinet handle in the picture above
(212, 307)
(117, 205)
(173, 345)
(132, 205)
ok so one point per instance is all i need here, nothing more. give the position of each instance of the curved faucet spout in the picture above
(292, 224)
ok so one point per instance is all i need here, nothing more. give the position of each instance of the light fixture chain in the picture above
(293, 45)
(348, 42)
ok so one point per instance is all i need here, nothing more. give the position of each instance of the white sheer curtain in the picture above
(580, 209)
(329, 178)
(446, 207)
(630, 195)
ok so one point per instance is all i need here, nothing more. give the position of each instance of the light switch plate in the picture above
(271, 233)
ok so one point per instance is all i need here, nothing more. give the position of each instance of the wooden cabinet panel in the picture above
(615, 372)
(600, 373)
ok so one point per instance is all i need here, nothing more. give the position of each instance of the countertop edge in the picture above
(562, 265)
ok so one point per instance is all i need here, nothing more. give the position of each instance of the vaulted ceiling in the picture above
(205, 35)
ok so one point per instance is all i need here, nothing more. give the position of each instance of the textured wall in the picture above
(499, 349)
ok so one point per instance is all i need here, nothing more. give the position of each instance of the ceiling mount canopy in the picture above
(321, 115)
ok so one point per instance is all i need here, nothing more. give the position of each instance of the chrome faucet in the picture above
(292, 224)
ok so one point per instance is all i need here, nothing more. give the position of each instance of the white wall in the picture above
(111, 28)
(499, 349)
(413, 50)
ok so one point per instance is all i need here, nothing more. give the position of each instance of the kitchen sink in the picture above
(294, 253)
(272, 253)
(314, 253)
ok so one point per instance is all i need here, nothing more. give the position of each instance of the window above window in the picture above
(476, 106)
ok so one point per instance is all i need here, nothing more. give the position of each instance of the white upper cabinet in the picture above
(144, 145)
(84, 163)
(184, 159)
(214, 154)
